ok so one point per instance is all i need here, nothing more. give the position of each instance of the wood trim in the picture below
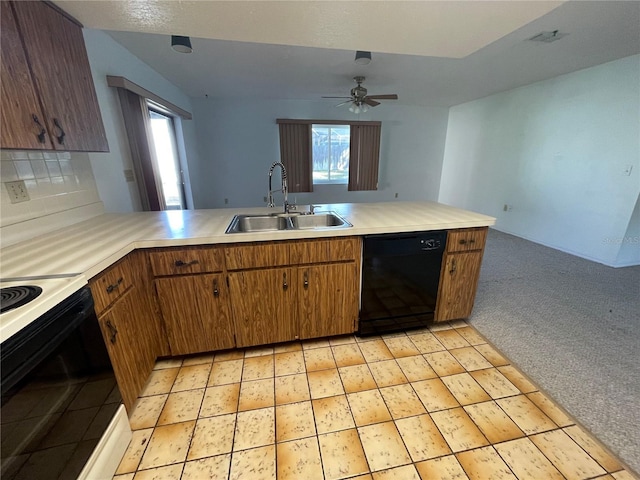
(121, 82)
(324, 122)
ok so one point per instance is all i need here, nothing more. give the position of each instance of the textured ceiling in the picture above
(451, 28)
(598, 31)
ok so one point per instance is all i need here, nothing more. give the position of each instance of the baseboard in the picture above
(107, 455)
(565, 250)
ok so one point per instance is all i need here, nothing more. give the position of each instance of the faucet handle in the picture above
(312, 208)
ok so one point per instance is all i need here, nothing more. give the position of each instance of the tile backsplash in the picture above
(56, 182)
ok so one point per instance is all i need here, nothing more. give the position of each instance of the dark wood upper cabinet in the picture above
(19, 99)
(47, 74)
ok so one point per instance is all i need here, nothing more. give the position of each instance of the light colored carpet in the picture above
(574, 327)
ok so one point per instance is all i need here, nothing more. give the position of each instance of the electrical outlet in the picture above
(507, 207)
(17, 191)
(226, 201)
(264, 199)
(396, 195)
(129, 176)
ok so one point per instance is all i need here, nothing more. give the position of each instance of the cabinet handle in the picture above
(464, 241)
(284, 282)
(42, 130)
(62, 134)
(216, 292)
(453, 266)
(306, 280)
(113, 286)
(180, 263)
(112, 330)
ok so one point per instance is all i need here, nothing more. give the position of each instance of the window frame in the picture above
(296, 154)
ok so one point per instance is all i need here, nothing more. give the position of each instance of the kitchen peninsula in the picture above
(130, 261)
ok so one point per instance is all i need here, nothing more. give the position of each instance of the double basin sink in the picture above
(286, 221)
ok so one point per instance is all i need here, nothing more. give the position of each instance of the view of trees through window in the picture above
(330, 153)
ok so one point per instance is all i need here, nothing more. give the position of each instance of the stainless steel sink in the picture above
(319, 220)
(274, 222)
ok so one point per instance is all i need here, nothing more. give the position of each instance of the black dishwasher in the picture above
(400, 275)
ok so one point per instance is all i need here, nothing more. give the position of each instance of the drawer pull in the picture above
(180, 263)
(306, 280)
(112, 330)
(113, 286)
(216, 292)
(464, 241)
(285, 286)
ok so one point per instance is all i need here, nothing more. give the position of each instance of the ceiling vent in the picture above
(548, 37)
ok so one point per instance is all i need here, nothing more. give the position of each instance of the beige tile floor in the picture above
(433, 404)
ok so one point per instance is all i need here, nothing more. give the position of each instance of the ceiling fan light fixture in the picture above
(181, 44)
(355, 108)
(364, 107)
(363, 58)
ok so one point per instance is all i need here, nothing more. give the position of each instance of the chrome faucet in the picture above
(284, 190)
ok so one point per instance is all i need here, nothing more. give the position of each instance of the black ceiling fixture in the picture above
(363, 58)
(181, 44)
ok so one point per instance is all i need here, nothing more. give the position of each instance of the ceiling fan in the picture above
(360, 101)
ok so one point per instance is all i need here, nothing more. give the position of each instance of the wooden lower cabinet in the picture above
(196, 313)
(328, 299)
(264, 306)
(130, 351)
(458, 283)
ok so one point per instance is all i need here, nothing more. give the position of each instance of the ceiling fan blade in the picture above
(343, 103)
(384, 97)
(336, 97)
(371, 103)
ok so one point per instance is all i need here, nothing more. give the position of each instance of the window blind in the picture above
(295, 155)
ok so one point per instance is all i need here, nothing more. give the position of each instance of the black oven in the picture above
(59, 393)
(400, 276)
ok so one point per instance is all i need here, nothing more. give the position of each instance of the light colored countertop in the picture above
(88, 247)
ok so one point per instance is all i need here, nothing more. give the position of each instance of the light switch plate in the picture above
(17, 191)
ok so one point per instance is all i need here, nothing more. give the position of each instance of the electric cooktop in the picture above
(14, 297)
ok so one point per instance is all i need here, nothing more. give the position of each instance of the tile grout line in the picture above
(521, 393)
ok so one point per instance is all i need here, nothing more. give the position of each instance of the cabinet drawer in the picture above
(177, 261)
(110, 285)
(257, 255)
(466, 239)
(326, 250)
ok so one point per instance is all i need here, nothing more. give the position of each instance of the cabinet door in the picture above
(458, 283)
(328, 299)
(264, 308)
(62, 76)
(19, 99)
(195, 310)
(130, 355)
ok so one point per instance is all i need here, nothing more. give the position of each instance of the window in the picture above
(330, 153)
(166, 162)
(150, 122)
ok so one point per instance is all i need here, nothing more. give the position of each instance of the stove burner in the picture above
(14, 297)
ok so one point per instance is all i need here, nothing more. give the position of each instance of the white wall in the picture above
(555, 151)
(240, 138)
(630, 244)
(108, 57)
